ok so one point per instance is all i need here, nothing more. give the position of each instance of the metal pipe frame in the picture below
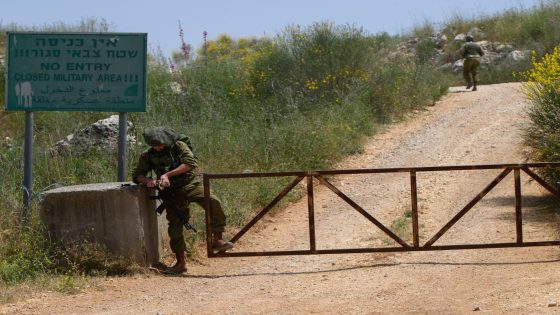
(416, 246)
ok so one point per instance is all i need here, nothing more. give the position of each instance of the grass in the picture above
(402, 227)
(65, 284)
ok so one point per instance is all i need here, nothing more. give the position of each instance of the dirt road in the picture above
(464, 128)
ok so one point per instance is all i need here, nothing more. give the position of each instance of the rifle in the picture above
(167, 199)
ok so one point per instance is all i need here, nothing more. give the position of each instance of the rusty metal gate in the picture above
(309, 176)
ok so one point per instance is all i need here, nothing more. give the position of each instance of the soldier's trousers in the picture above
(470, 69)
(192, 192)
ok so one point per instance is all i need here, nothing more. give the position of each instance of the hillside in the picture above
(463, 128)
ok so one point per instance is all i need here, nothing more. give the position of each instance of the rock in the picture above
(446, 67)
(503, 48)
(476, 33)
(101, 135)
(458, 65)
(476, 308)
(176, 88)
(491, 57)
(8, 143)
(438, 39)
(552, 303)
(460, 37)
(519, 55)
(445, 54)
(486, 45)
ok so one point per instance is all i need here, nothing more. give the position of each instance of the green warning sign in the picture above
(76, 72)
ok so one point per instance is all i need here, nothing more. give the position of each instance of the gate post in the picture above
(414, 202)
(518, 214)
(311, 213)
(208, 213)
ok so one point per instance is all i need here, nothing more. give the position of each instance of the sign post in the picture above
(27, 164)
(104, 72)
(121, 164)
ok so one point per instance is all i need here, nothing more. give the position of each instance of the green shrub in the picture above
(24, 251)
(503, 72)
(543, 90)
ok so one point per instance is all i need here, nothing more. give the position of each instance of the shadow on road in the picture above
(538, 209)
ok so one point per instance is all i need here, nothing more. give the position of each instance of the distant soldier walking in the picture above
(471, 52)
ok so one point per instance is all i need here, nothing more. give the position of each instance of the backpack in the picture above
(184, 138)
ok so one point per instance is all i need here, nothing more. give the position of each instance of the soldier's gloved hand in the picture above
(164, 181)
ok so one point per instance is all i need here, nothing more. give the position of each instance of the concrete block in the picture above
(120, 217)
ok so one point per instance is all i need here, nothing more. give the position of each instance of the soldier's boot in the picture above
(468, 79)
(474, 88)
(219, 244)
(180, 265)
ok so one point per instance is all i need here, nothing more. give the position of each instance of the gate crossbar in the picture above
(469, 206)
(428, 246)
(362, 211)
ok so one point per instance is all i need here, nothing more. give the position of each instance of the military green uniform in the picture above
(471, 52)
(187, 187)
